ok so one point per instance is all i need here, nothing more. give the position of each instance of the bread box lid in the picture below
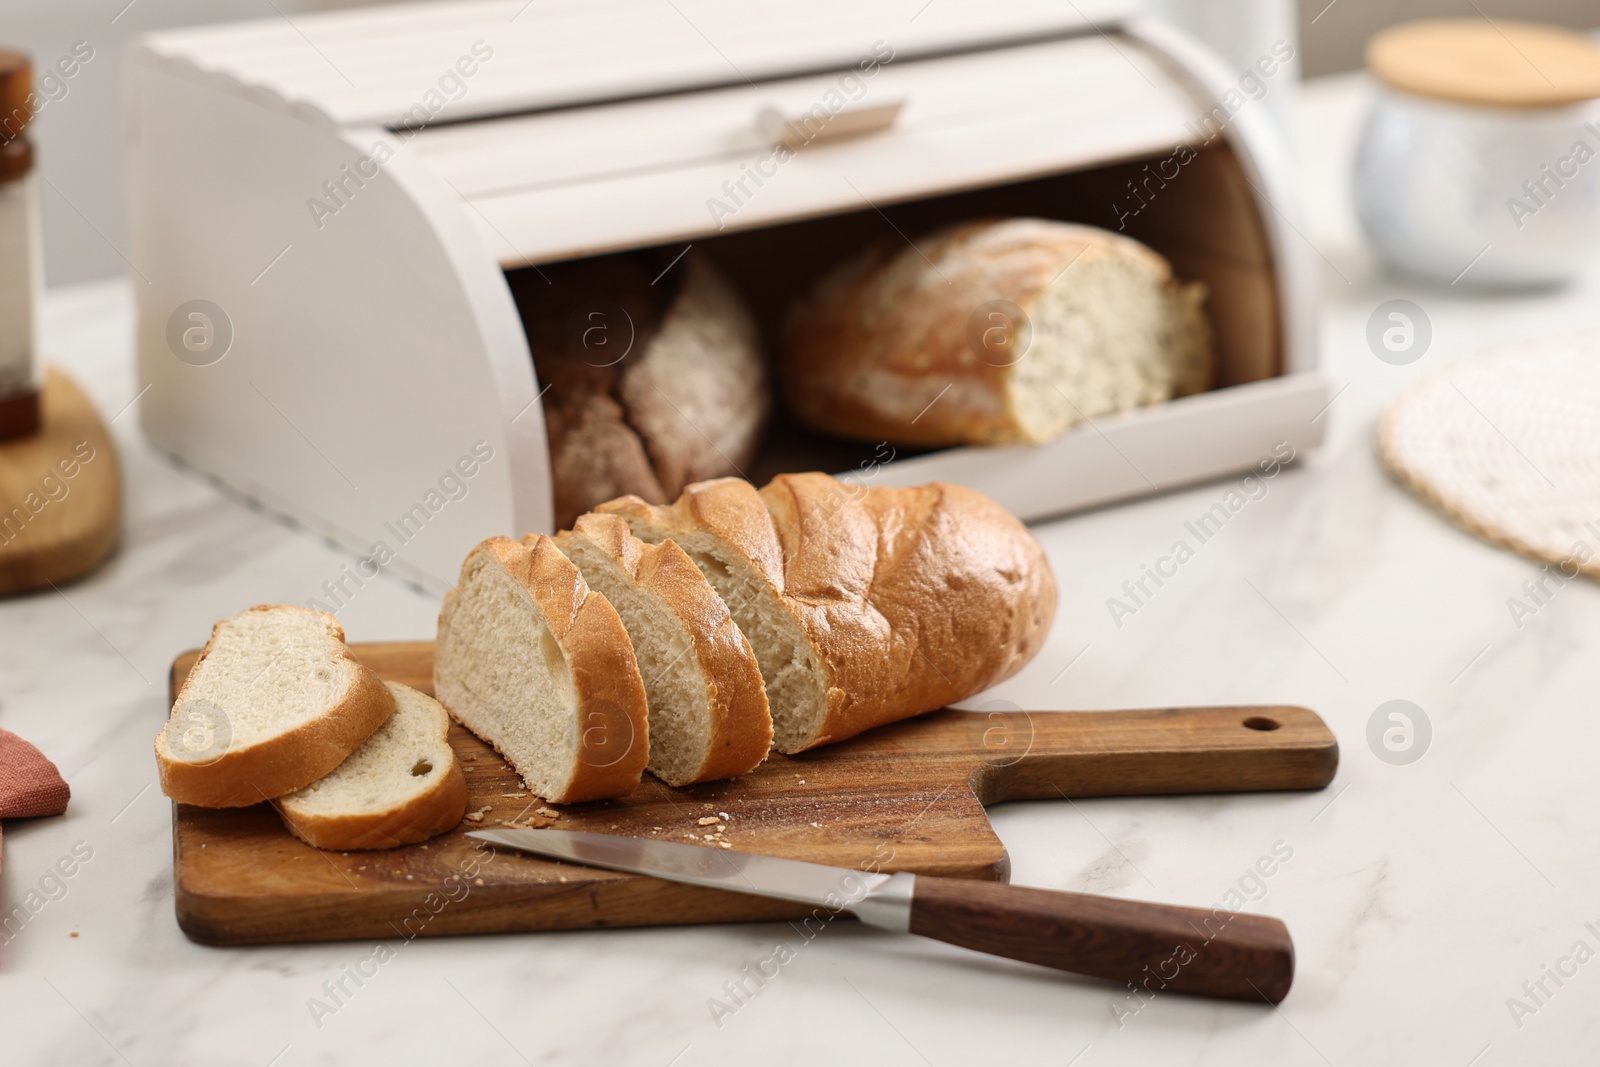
(369, 67)
(584, 181)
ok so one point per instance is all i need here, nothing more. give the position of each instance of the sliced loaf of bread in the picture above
(708, 706)
(539, 666)
(863, 605)
(274, 702)
(402, 786)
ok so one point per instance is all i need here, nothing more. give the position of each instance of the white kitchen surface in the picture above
(1421, 897)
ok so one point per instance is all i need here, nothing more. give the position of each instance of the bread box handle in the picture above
(808, 127)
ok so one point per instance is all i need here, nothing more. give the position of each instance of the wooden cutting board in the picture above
(907, 797)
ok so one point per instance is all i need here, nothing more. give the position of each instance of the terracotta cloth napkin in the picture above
(30, 785)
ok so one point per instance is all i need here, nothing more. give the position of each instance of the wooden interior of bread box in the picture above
(1205, 221)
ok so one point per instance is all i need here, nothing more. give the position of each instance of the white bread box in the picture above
(324, 209)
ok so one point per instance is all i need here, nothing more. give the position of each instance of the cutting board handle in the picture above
(1152, 947)
(1025, 755)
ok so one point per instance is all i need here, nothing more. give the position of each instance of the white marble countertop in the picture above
(1421, 897)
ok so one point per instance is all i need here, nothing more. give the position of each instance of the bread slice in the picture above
(863, 605)
(998, 331)
(404, 785)
(539, 666)
(274, 702)
(708, 706)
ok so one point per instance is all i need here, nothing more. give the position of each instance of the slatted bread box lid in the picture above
(325, 208)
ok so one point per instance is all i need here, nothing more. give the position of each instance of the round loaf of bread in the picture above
(654, 378)
(993, 332)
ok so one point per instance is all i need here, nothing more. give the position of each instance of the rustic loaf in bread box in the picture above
(339, 221)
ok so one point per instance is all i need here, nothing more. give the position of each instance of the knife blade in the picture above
(1156, 946)
(817, 884)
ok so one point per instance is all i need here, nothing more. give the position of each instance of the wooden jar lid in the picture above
(1475, 61)
(16, 86)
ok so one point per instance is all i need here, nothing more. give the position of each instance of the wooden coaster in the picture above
(1475, 61)
(1507, 444)
(60, 493)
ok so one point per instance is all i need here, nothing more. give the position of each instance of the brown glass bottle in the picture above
(21, 269)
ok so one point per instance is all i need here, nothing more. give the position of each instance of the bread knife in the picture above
(1153, 947)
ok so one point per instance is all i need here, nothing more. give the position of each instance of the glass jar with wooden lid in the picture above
(1480, 160)
(20, 261)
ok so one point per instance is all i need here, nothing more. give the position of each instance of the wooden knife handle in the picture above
(1155, 947)
(1034, 755)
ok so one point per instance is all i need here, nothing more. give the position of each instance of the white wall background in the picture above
(79, 137)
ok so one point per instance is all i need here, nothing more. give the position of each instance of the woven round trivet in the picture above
(1507, 444)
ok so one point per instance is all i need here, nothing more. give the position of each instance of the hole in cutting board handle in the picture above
(1261, 722)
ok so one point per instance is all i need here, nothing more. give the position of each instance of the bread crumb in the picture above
(656, 828)
(548, 813)
(74, 933)
(514, 796)
(725, 816)
(705, 837)
(477, 816)
(724, 844)
(721, 827)
(802, 781)
(477, 881)
(708, 807)
(818, 825)
(424, 848)
(707, 821)
(411, 877)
